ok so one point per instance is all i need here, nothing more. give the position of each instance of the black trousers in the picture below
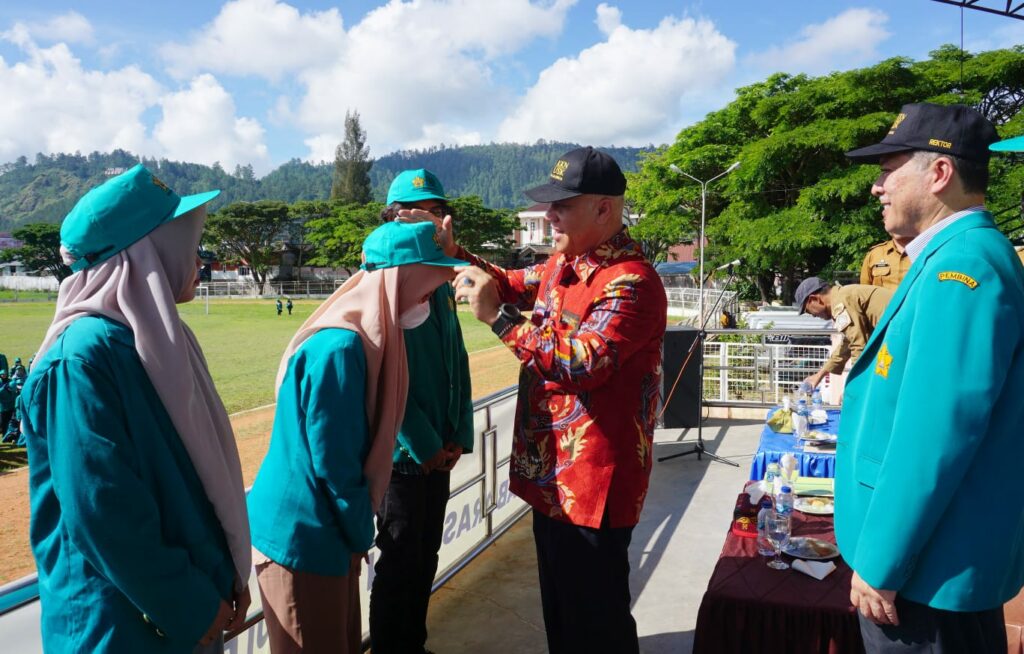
(409, 527)
(584, 587)
(5, 419)
(924, 630)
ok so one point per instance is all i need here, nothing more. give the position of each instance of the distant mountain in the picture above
(45, 190)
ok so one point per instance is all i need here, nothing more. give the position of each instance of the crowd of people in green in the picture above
(11, 380)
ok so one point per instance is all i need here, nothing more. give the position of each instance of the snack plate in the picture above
(814, 505)
(817, 421)
(811, 549)
(819, 437)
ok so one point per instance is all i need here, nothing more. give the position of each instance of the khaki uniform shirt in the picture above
(1020, 255)
(884, 266)
(856, 310)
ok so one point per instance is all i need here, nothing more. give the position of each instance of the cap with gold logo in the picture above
(415, 185)
(954, 129)
(579, 172)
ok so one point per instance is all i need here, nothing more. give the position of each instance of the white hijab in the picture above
(139, 287)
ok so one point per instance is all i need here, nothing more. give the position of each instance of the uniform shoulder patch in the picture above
(884, 361)
(951, 276)
(843, 319)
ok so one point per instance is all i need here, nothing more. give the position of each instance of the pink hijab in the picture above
(369, 304)
(139, 287)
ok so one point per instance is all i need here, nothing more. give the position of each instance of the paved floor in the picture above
(493, 606)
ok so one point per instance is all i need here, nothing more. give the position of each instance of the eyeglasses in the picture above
(440, 211)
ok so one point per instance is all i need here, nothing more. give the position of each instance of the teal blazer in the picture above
(928, 464)
(309, 508)
(130, 555)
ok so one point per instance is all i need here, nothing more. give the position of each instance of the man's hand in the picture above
(454, 451)
(815, 379)
(480, 290)
(435, 462)
(242, 600)
(220, 623)
(875, 605)
(445, 232)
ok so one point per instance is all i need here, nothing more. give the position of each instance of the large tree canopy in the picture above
(40, 250)
(796, 205)
(248, 231)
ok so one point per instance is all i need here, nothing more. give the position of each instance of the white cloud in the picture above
(608, 18)
(412, 68)
(263, 38)
(51, 104)
(199, 125)
(841, 42)
(70, 27)
(630, 88)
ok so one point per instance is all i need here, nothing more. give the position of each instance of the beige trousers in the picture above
(311, 614)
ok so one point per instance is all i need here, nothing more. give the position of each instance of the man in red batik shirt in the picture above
(588, 389)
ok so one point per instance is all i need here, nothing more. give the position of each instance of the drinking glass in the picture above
(778, 528)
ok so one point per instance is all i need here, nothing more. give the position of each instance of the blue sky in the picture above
(263, 81)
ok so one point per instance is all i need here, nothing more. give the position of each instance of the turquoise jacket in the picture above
(309, 509)
(440, 405)
(130, 555)
(930, 447)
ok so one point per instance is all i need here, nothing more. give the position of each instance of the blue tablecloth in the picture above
(810, 464)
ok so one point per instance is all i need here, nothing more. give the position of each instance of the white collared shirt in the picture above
(920, 242)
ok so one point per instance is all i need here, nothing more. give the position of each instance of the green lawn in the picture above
(243, 340)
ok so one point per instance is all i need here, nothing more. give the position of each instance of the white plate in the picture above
(813, 421)
(807, 505)
(811, 549)
(819, 437)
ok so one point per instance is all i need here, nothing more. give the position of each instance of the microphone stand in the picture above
(699, 448)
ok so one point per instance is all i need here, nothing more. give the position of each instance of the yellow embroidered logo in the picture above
(437, 241)
(884, 361)
(560, 167)
(966, 280)
(418, 182)
(896, 123)
(157, 182)
(940, 144)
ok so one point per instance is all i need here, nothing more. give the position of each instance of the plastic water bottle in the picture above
(816, 404)
(800, 418)
(784, 501)
(764, 546)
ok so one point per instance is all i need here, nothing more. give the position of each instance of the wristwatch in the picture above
(508, 317)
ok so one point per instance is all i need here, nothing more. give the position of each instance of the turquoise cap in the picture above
(119, 212)
(415, 185)
(400, 244)
(1016, 144)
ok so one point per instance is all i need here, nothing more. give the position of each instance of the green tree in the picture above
(351, 181)
(300, 214)
(40, 250)
(482, 230)
(248, 231)
(338, 238)
(796, 206)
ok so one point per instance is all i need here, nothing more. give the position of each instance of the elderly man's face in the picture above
(817, 307)
(903, 188)
(574, 223)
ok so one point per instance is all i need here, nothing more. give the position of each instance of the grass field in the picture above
(243, 340)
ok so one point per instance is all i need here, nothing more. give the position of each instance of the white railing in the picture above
(250, 289)
(29, 283)
(686, 301)
(760, 370)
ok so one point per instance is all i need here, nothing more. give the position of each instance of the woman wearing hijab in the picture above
(139, 527)
(341, 394)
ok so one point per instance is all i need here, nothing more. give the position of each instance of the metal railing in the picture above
(250, 289)
(687, 300)
(480, 509)
(756, 367)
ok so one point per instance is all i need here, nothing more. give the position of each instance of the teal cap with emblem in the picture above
(400, 244)
(119, 212)
(415, 185)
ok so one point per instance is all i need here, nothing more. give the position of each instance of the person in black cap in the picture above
(854, 311)
(588, 392)
(931, 423)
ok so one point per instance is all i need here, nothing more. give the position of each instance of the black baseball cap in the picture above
(578, 172)
(806, 289)
(953, 129)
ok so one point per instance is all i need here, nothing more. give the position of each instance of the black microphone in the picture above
(730, 264)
